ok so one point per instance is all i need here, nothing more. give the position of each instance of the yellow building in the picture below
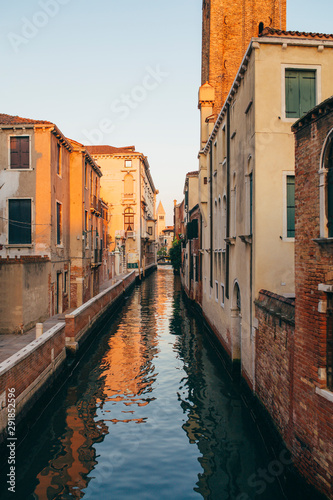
(88, 250)
(128, 188)
(246, 180)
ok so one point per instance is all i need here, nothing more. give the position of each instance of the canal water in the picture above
(149, 413)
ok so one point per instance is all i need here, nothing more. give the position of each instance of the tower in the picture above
(227, 28)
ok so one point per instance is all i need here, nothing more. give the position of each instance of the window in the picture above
(19, 225)
(251, 202)
(128, 163)
(222, 295)
(58, 159)
(85, 174)
(150, 230)
(329, 192)
(59, 223)
(300, 88)
(128, 184)
(216, 291)
(19, 152)
(129, 219)
(290, 206)
(65, 282)
(161, 217)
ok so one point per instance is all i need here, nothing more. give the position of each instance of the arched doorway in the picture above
(236, 326)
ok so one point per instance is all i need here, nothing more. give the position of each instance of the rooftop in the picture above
(109, 150)
(18, 120)
(294, 34)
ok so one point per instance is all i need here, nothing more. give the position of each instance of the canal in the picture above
(149, 412)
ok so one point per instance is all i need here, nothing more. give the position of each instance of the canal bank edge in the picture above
(31, 371)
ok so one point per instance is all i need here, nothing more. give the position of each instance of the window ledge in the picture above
(19, 245)
(19, 169)
(323, 241)
(325, 393)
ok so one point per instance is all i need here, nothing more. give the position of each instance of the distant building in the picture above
(128, 188)
(160, 215)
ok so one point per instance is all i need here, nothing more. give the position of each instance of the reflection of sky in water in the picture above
(150, 414)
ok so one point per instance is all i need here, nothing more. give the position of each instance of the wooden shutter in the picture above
(19, 226)
(292, 94)
(19, 152)
(307, 91)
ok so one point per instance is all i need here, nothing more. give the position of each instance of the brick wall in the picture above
(274, 358)
(80, 321)
(29, 371)
(313, 405)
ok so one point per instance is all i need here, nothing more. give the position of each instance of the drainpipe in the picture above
(211, 212)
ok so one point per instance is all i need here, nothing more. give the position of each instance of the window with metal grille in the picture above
(59, 223)
(300, 92)
(290, 206)
(19, 152)
(19, 224)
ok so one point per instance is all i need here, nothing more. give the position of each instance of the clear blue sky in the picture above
(119, 72)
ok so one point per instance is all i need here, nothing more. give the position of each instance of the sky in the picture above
(120, 73)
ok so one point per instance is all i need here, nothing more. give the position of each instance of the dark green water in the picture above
(149, 413)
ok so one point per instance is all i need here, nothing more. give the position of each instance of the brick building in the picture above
(313, 363)
(227, 28)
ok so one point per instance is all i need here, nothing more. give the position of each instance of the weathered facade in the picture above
(127, 186)
(35, 222)
(88, 250)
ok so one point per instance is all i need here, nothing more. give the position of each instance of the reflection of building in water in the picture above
(214, 424)
(67, 473)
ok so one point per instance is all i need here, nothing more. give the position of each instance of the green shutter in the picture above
(300, 92)
(19, 226)
(292, 94)
(307, 83)
(290, 206)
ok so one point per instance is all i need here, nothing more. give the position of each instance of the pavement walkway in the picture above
(12, 343)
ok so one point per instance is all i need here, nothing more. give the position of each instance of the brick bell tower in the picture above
(227, 28)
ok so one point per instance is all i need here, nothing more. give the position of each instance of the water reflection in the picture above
(150, 414)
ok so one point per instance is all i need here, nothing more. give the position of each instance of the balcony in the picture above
(128, 198)
(95, 205)
(96, 257)
(131, 234)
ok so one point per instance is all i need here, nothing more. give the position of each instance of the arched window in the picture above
(261, 27)
(326, 188)
(129, 219)
(128, 184)
(329, 190)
